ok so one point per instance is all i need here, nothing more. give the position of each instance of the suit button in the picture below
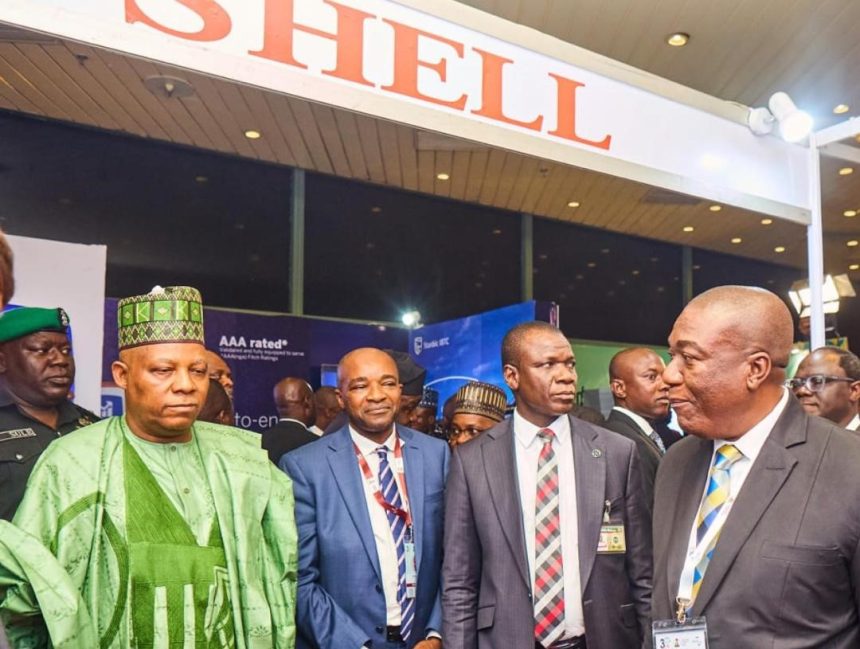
(378, 588)
(379, 629)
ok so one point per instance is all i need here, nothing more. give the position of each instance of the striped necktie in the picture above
(549, 567)
(717, 494)
(658, 441)
(391, 494)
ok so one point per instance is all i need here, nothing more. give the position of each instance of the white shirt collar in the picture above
(751, 442)
(368, 446)
(526, 432)
(640, 421)
(291, 419)
(854, 424)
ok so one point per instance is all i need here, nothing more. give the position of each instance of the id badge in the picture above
(671, 634)
(411, 567)
(611, 540)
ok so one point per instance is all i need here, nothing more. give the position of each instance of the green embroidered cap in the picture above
(27, 320)
(164, 315)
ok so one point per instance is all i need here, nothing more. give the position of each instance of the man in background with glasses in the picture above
(827, 384)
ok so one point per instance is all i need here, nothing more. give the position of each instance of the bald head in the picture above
(751, 317)
(636, 381)
(294, 400)
(729, 348)
(369, 388)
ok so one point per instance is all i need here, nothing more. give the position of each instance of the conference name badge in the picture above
(692, 633)
(612, 539)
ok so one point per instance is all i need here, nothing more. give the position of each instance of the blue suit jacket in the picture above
(341, 604)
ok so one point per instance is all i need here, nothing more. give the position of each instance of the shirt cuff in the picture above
(432, 634)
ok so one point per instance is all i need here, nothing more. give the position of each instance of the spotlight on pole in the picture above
(411, 319)
(794, 124)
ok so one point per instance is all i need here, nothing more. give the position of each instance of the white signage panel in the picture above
(393, 61)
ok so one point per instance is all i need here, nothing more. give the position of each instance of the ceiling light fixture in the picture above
(794, 124)
(849, 213)
(573, 204)
(251, 134)
(715, 208)
(688, 228)
(766, 221)
(442, 176)
(854, 267)
(841, 108)
(678, 39)
(853, 243)
(846, 171)
(737, 240)
(779, 249)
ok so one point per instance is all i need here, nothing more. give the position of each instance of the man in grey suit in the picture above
(756, 513)
(547, 537)
(641, 397)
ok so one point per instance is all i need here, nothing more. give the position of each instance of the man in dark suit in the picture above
(535, 555)
(364, 495)
(756, 512)
(641, 397)
(294, 401)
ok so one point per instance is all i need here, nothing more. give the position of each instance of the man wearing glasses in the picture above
(827, 384)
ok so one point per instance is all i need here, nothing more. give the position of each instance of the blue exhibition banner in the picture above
(469, 349)
(261, 350)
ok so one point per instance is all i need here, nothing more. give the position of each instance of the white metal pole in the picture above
(815, 248)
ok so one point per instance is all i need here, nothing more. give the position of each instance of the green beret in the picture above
(164, 315)
(27, 320)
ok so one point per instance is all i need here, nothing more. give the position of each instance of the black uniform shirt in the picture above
(22, 440)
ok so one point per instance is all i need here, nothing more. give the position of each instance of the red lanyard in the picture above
(399, 477)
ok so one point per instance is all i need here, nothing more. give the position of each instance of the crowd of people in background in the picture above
(718, 500)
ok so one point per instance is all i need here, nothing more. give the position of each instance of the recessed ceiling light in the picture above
(846, 171)
(779, 249)
(376, 209)
(497, 231)
(604, 251)
(715, 208)
(841, 108)
(766, 221)
(678, 39)
(251, 134)
(442, 176)
(688, 228)
(635, 272)
(201, 179)
(853, 243)
(854, 267)
(661, 289)
(736, 240)
(849, 213)
(573, 204)
(591, 264)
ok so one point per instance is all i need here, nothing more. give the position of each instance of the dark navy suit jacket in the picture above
(341, 604)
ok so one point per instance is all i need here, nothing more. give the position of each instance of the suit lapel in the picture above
(589, 462)
(634, 428)
(501, 471)
(347, 476)
(413, 462)
(766, 477)
(689, 497)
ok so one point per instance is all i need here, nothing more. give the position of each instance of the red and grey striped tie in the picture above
(549, 568)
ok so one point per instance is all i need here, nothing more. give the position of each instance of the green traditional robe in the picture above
(211, 565)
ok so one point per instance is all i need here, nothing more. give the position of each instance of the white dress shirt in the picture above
(528, 447)
(316, 430)
(386, 550)
(644, 427)
(854, 424)
(750, 445)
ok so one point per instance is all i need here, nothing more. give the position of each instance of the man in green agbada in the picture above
(176, 534)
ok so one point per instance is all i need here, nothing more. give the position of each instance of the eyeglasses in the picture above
(814, 383)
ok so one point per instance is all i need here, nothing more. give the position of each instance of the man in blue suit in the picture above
(369, 510)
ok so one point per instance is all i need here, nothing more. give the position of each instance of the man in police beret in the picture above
(36, 372)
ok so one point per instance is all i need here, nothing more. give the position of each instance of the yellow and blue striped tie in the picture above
(717, 494)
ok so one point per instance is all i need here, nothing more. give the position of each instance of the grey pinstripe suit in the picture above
(486, 596)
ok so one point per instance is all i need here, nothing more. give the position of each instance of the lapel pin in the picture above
(596, 453)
